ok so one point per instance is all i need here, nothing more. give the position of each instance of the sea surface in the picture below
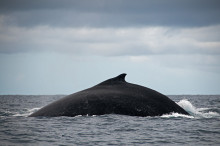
(202, 127)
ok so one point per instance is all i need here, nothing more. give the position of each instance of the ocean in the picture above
(202, 127)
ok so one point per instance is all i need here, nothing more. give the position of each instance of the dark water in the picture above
(201, 128)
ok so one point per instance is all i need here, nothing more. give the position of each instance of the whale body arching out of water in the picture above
(113, 96)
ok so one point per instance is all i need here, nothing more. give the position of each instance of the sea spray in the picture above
(197, 112)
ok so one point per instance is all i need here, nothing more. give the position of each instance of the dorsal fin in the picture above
(120, 77)
(115, 80)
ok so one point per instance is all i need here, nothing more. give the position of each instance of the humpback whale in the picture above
(113, 96)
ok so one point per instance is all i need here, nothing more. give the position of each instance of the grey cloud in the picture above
(110, 41)
(113, 13)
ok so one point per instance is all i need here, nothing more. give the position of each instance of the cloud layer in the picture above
(111, 42)
(114, 13)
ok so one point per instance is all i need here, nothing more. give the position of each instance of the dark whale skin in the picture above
(113, 96)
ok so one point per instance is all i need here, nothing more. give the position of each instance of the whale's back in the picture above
(113, 96)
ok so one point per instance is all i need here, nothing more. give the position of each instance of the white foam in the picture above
(78, 116)
(203, 109)
(175, 115)
(33, 109)
(187, 106)
(26, 112)
(196, 112)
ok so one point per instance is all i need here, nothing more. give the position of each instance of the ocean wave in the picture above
(26, 112)
(203, 112)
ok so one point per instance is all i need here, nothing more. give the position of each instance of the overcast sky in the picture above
(63, 46)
